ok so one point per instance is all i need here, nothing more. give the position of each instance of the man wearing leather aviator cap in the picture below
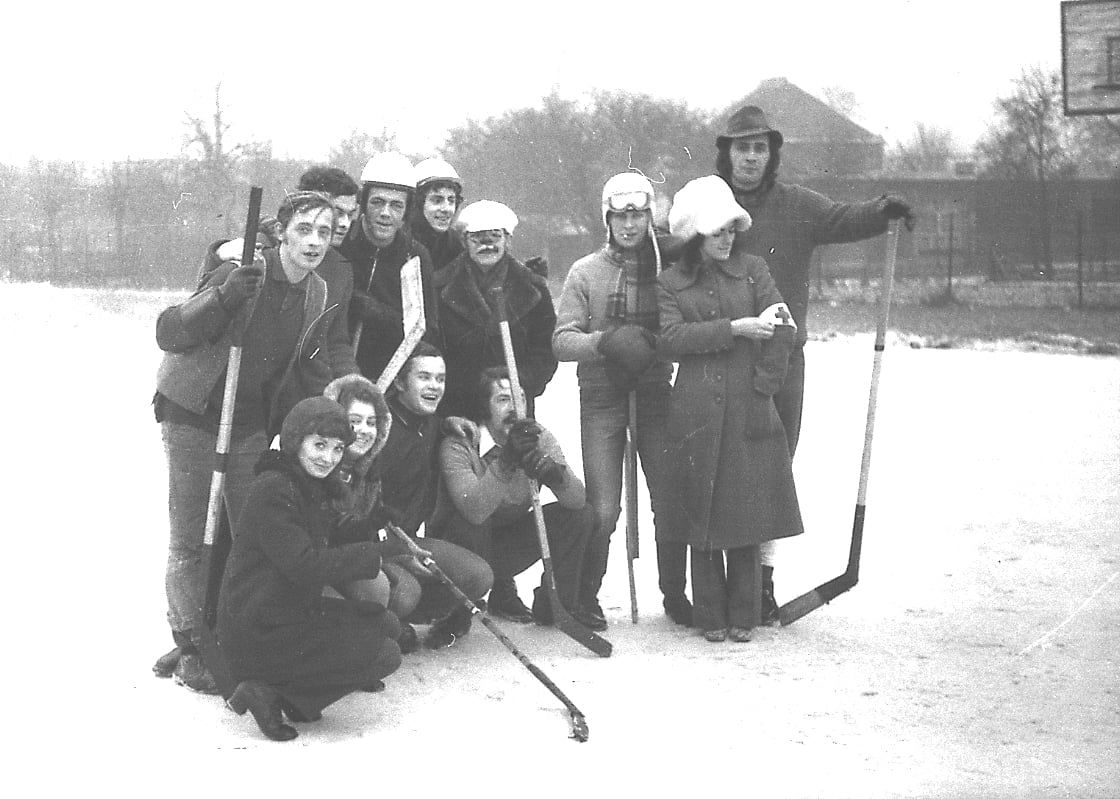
(607, 321)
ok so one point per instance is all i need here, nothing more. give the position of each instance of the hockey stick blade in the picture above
(821, 595)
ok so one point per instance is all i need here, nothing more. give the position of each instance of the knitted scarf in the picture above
(637, 279)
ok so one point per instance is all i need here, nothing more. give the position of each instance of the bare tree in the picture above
(842, 101)
(1031, 139)
(52, 186)
(930, 149)
(350, 154)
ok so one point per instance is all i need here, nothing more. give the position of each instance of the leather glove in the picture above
(897, 208)
(241, 284)
(524, 435)
(541, 467)
(539, 264)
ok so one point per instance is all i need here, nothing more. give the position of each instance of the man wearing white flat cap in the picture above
(471, 337)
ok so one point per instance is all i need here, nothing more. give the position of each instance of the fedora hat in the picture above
(749, 121)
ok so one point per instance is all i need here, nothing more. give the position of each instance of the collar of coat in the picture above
(739, 266)
(460, 292)
(358, 246)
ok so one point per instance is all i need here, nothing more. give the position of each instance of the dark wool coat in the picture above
(729, 481)
(788, 222)
(472, 339)
(377, 273)
(274, 625)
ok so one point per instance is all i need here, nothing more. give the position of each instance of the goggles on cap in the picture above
(486, 236)
(629, 201)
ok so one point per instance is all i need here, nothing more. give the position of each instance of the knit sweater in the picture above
(788, 223)
(583, 314)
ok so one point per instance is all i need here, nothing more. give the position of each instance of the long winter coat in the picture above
(729, 481)
(472, 339)
(273, 622)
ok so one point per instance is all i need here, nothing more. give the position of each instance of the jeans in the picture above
(604, 413)
(190, 466)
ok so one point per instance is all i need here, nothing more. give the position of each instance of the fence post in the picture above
(952, 216)
(1080, 280)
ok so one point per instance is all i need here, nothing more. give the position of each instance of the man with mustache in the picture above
(789, 222)
(378, 247)
(294, 331)
(485, 503)
(468, 313)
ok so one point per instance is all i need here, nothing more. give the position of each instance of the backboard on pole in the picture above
(1091, 57)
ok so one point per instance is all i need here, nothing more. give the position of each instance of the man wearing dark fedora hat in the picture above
(789, 222)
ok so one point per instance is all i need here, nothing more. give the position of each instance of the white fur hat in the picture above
(703, 206)
(487, 215)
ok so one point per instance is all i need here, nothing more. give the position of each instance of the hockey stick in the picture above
(579, 723)
(825, 593)
(561, 618)
(630, 460)
(208, 644)
(412, 305)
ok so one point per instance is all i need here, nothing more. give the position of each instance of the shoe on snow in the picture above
(192, 673)
(164, 667)
(679, 609)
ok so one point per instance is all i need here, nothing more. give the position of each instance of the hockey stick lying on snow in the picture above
(561, 618)
(823, 594)
(208, 644)
(579, 723)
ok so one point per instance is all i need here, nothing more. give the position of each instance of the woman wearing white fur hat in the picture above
(729, 482)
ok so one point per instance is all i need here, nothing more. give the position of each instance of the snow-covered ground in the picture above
(978, 655)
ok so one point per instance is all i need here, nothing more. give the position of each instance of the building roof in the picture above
(800, 116)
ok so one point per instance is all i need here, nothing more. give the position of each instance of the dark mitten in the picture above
(773, 361)
(896, 208)
(762, 417)
(629, 350)
(241, 284)
(541, 467)
(539, 264)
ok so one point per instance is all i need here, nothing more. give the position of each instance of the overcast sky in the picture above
(110, 80)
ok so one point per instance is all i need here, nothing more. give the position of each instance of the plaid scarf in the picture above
(637, 280)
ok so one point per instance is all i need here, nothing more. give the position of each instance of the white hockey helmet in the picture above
(390, 169)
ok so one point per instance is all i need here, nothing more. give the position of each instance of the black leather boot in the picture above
(769, 603)
(264, 703)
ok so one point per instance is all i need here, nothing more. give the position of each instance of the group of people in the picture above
(320, 591)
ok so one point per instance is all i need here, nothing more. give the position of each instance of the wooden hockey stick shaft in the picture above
(561, 617)
(579, 722)
(826, 592)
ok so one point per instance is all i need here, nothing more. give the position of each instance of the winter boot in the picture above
(447, 631)
(165, 666)
(264, 703)
(679, 609)
(769, 603)
(505, 602)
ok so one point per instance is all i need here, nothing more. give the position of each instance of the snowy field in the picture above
(978, 656)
